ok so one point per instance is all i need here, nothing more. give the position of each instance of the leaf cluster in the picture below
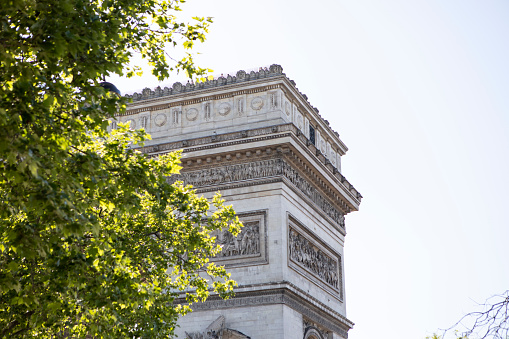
(94, 241)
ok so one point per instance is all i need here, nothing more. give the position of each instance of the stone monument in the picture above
(256, 138)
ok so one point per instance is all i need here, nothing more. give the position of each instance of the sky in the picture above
(419, 92)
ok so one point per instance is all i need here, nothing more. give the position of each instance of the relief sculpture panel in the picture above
(260, 169)
(247, 242)
(310, 256)
(249, 246)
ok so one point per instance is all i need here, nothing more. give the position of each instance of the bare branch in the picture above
(492, 321)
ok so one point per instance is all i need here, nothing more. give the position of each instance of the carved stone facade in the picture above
(306, 254)
(245, 243)
(217, 330)
(314, 258)
(314, 331)
(249, 246)
(258, 140)
(258, 170)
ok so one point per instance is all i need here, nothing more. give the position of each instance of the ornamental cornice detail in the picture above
(269, 168)
(288, 295)
(250, 136)
(183, 101)
(178, 88)
(178, 92)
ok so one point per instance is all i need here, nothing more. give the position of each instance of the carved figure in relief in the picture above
(260, 169)
(245, 243)
(229, 245)
(303, 252)
(217, 330)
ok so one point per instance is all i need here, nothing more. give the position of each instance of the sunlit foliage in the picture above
(93, 239)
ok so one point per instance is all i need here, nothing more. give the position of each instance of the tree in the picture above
(94, 240)
(490, 321)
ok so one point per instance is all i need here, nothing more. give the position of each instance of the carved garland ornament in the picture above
(257, 103)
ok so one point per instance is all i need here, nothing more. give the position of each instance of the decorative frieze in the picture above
(247, 242)
(320, 314)
(177, 88)
(306, 254)
(249, 246)
(312, 257)
(256, 170)
(246, 136)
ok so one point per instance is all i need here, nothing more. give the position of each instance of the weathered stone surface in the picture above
(258, 140)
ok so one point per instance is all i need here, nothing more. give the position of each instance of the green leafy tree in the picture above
(94, 241)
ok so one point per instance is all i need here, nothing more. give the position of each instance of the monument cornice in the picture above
(282, 292)
(269, 165)
(230, 86)
(218, 142)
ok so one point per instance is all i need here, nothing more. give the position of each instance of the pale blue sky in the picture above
(418, 90)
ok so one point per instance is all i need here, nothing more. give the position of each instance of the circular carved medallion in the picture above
(224, 108)
(192, 114)
(160, 120)
(257, 103)
(287, 108)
